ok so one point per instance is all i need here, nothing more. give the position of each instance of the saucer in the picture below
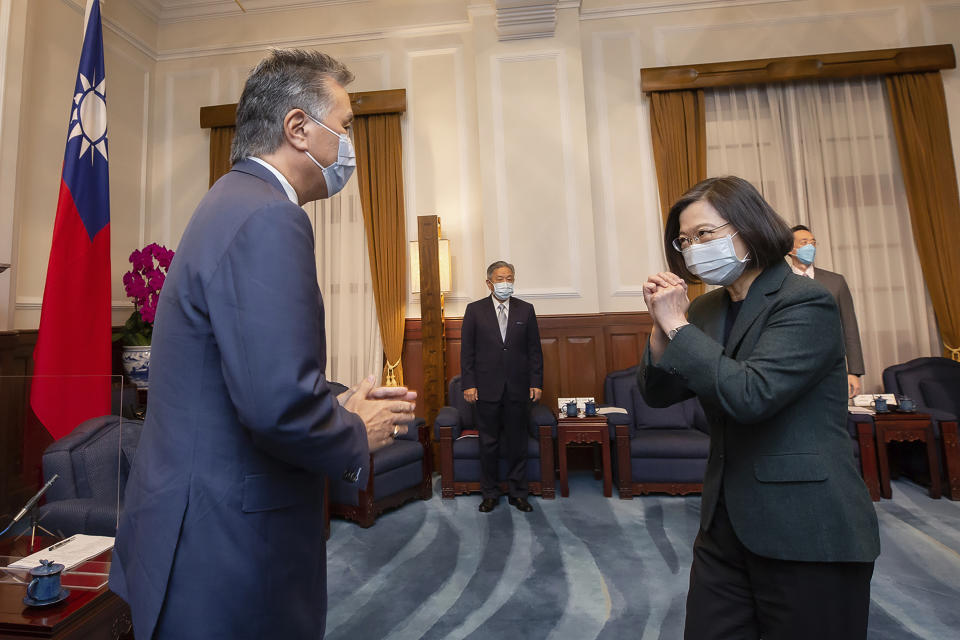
(30, 602)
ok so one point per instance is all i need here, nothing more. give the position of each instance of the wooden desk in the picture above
(906, 427)
(868, 456)
(584, 430)
(84, 615)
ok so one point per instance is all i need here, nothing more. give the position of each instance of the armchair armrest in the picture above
(413, 430)
(541, 416)
(615, 420)
(447, 417)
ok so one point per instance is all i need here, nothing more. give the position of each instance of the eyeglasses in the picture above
(803, 243)
(681, 243)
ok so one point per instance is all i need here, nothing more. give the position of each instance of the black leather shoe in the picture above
(521, 504)
(487, 504)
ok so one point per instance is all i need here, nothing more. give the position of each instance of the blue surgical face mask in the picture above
(338, 173)
(715, 262)
(806, 253)
(502, 290)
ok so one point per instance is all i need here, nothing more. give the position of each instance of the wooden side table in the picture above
(906, 427)
(90, 613)
(868, 456)
(585, 430)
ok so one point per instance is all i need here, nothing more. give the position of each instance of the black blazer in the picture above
(776, 399)
(498, 367)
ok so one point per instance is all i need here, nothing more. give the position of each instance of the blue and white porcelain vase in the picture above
(136, 364)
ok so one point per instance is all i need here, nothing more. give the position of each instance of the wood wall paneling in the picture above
(578, 352)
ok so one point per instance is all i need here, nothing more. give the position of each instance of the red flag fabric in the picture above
(72, 358)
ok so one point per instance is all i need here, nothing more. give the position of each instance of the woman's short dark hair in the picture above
(738, 202)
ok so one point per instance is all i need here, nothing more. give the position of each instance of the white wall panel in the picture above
(537, 225)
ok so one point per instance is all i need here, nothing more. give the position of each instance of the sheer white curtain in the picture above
(354, 350)
(824, 155)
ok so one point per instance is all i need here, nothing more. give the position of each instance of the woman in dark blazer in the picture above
(788, 533)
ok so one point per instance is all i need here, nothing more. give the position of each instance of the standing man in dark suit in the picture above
(501, 368)
(221, 535)
(801, 259)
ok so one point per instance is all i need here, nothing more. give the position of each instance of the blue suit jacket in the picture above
(221, 535)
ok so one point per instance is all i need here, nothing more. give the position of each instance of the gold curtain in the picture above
(220, 140)
(678, 126)
(919, 111)
(380, 171)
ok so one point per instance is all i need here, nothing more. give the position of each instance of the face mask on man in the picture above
(806, 253)
(502, 290)
(715, 262)
(337, 174)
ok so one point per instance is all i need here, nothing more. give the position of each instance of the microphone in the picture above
(32, 501)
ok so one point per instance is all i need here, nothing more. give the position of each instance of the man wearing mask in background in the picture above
(221, 535)
(501, 369)
(801, 259)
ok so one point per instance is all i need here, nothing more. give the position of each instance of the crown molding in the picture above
(173, 11)
(668, 6)
(523, 19)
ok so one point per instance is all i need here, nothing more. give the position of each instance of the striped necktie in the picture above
(502, 319)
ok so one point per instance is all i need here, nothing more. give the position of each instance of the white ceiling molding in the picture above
(666, 6)
(522, 19)
(171, 11)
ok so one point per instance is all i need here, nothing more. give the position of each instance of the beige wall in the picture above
(536, 151)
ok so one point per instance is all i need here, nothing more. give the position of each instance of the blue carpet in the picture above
(589, 567)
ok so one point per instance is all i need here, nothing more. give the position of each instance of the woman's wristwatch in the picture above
(673, 332)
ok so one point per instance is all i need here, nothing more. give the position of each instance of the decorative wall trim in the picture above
(523, 19)
(668, 6)
(34, 303)
(173, 11)
(567, 146)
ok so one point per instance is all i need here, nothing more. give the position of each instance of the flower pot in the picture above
(136, 364)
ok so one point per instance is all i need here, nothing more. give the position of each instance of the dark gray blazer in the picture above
(221, 535)
(776, 399)
(499, 368)
(837, 285)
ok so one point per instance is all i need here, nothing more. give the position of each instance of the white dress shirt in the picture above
(287, 187)
(800, 272)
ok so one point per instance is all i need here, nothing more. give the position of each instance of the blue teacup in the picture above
(590, 408)
(907, 405)
(571, 409)
(880, 405)
(46, 581)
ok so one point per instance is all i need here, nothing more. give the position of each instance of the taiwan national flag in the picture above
(72, 357)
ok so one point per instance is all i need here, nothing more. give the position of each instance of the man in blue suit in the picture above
(221, 535)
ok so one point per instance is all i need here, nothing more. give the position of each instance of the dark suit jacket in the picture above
(498, 367)
(837, 285)
(776, 399)
(222, 526)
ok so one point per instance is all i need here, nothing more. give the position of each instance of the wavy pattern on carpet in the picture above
(589, 567)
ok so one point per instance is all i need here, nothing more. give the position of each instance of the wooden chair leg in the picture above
(951, 455)
(446, 463)
(547, 485)
(624, 469)
(868, 459)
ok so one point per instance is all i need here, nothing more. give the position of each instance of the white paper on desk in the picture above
(69, 552)
(607, 410)
(866, 399)
(862, 410)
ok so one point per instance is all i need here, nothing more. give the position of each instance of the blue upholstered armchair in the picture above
(655, 450)
(934, 384)
(399, 473)
(460, 454)
(93, 462)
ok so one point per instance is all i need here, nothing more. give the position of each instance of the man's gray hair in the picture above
(497, 265)
(284, 80)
